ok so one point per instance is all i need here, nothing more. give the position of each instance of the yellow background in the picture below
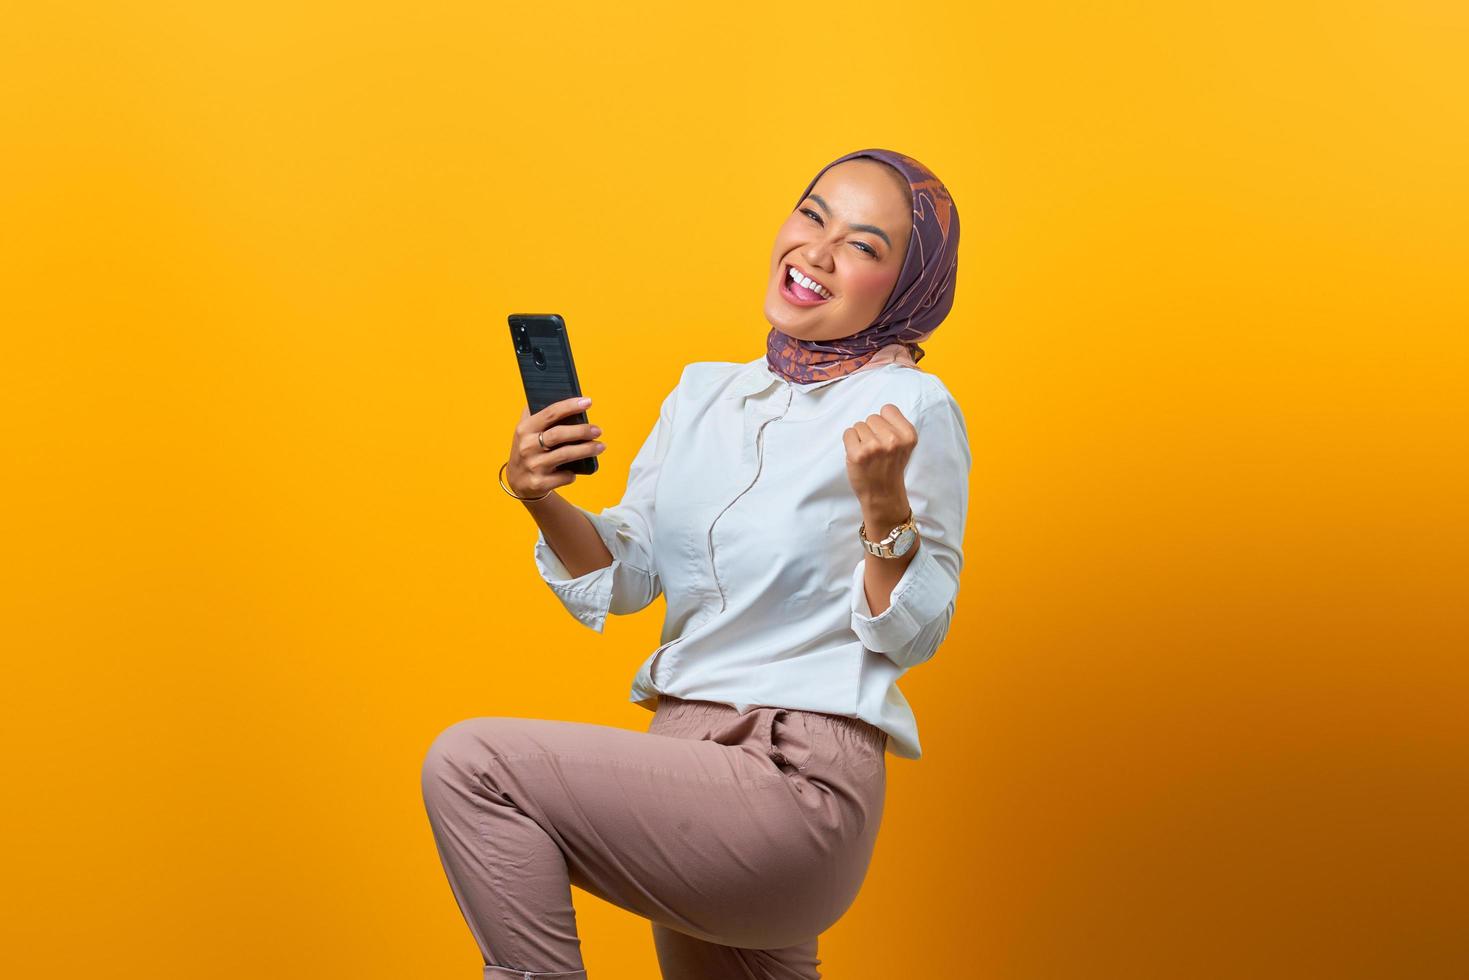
(1201, 712)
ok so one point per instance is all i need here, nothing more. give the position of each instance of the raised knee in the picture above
(450, 756)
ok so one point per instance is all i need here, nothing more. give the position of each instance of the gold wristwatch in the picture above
(898, 542)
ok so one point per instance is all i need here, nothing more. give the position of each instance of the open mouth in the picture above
(798, 294)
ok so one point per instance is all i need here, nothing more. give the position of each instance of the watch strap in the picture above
(884, 547)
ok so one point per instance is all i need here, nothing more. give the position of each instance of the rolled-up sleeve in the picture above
(631, 582)
(910, 630)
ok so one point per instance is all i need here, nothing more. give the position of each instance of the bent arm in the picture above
(902, 609)
(603, 563)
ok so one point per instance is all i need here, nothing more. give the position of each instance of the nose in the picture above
(817, 255)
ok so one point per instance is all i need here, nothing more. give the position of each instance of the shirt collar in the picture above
(756, 377)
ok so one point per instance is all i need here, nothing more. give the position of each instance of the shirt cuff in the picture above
(919, 597)
(587, 597)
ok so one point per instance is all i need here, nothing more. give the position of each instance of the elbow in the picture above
(633, 589)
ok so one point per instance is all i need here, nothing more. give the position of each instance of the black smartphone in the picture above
(543, 351)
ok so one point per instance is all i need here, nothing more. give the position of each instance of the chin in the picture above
(789, 329)
(788, 319)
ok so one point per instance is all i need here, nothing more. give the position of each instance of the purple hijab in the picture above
(921, 298)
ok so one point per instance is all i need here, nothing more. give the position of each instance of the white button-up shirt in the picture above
(739, 512)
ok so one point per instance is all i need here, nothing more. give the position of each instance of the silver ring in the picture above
(542, 442)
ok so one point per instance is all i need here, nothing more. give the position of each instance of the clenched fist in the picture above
(877, 453)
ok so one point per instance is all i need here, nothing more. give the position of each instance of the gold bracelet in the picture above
(512, 492)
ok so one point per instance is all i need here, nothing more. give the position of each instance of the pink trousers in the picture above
(740, 838)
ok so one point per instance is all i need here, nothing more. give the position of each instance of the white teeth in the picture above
(810, 284)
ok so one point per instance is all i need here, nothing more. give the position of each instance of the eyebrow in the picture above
(872, 228)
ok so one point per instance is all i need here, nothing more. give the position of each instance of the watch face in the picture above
(905, 541)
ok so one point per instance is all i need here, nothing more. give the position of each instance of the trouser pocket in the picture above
(790, 739)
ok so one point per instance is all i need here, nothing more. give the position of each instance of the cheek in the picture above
(870, 287)
(786, 238)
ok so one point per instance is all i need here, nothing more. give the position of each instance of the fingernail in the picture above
(584, 402)
(601, 445)
(596, 430)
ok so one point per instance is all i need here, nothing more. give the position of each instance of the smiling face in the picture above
(850, 236)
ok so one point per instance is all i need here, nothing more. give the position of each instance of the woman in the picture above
(803, 514)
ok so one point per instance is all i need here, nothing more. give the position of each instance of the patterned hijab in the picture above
(921, 298)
